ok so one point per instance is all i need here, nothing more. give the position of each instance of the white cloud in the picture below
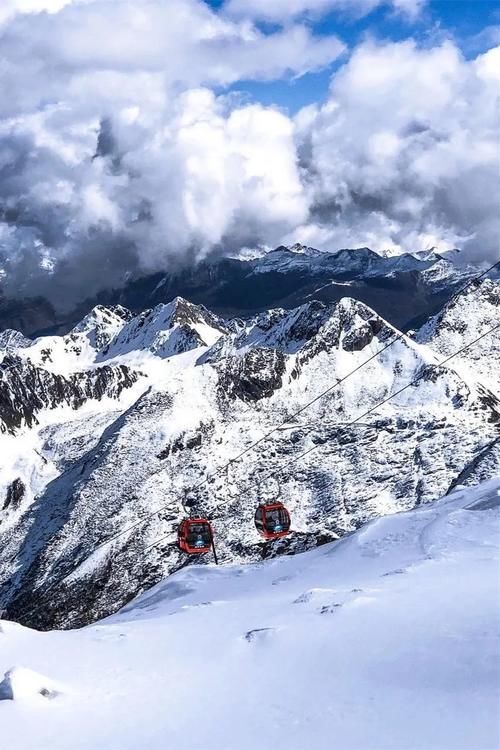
(405, 150)
(178, 169)
(181, 42)
(171, 180)
(411, 8)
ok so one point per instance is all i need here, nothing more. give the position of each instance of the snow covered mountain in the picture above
(166, 330)
(77, 349)
(106, 428)
(405, 289)
(463, 319)
(387, 639)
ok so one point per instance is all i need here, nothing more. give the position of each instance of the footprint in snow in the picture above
(396, 572)
(103, 634)
(306, 596)
(352, 599)
(303, 598)
(195, 606)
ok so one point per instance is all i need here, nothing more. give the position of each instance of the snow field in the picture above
(385, 640)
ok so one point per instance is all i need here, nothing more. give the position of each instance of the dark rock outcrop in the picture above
(26, 389)
(15, 493)
(254, 376)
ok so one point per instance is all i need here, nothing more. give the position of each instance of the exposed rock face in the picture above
(484, 465)
(15, 494)
(255, 375)
(25, 390)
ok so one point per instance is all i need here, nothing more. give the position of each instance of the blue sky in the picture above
(465, 21)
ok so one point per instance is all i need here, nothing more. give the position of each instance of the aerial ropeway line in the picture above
(272, 519)
(400, 336)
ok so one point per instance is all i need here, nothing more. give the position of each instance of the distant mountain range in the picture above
(404, 289)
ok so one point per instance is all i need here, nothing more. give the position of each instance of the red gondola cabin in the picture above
(272, 520)
(195, 536)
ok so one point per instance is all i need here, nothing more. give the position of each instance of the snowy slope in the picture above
(385, 640)
(77, 349)
(192, 411)
(460, 321)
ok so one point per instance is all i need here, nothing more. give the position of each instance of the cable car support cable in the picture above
(419, 377)
(335, 385)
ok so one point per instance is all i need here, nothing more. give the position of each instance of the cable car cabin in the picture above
(195, 536)
(272, 520)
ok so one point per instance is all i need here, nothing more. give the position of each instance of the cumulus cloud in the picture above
(405, 152)
(121, 152)
(107, 48)
(137, 195)
(116, 158)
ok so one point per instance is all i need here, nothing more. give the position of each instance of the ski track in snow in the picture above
(387, 639)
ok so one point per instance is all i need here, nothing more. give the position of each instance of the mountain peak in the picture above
(304, 250)
(183, 312)
(165, 330)
(11, 339)
(101, 324)
(100, 315)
